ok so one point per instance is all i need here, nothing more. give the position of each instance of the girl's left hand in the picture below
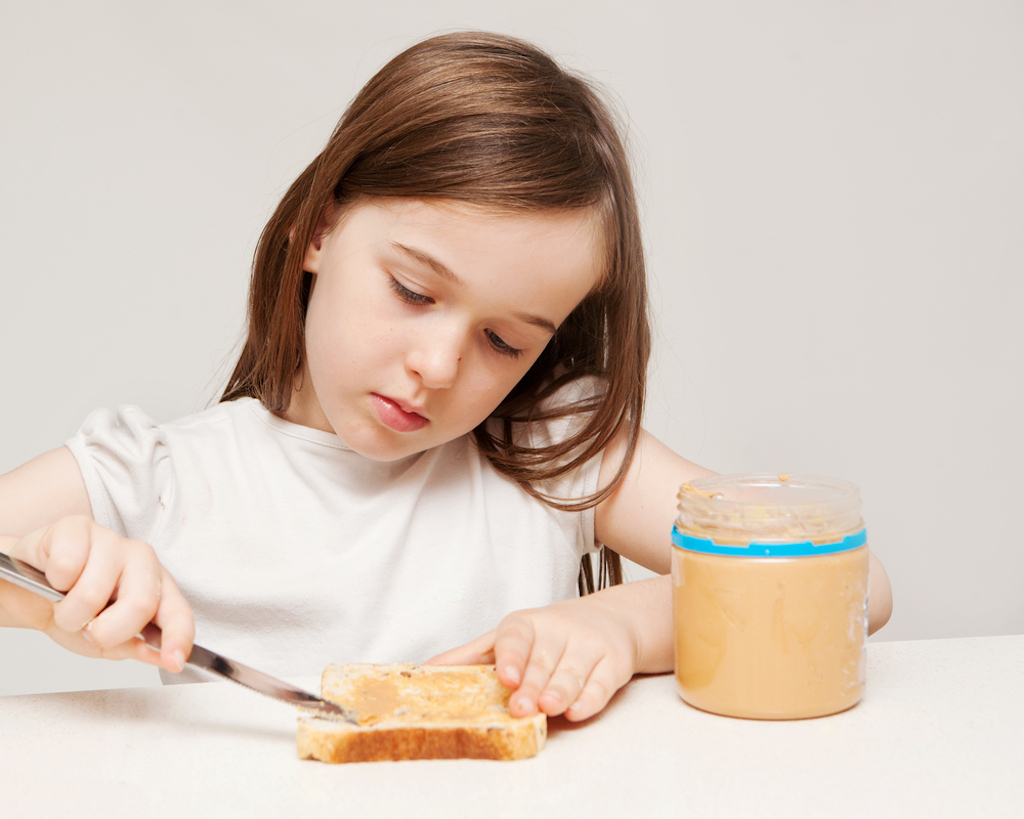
(567, 658)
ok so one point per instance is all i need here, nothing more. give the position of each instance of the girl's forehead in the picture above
(471, 227)
(429, 210)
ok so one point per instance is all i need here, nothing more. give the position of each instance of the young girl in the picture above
(434, 419)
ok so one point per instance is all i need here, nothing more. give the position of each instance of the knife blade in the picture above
(29, 577)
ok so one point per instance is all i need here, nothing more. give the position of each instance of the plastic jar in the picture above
(770, 581)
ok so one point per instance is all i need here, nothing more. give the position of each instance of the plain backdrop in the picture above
(833, 195)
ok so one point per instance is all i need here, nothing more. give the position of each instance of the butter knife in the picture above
(28, 577)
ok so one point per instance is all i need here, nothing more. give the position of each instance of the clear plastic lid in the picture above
(736, 510)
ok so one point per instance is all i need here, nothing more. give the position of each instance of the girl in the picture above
(434, 421)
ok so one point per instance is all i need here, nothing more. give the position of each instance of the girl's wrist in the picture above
(646, 606)
(658, 648)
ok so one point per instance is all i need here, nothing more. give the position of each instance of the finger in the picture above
(136, 598)
(138, 648)
(512, 647)
(603, 682)
(92, 589)
(59, 550)
(174, 617)
(63, 549)
(168, 638)
(569, 678)
(545, 652)
(478, 651)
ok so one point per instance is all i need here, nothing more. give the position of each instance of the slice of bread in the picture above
(419, 712)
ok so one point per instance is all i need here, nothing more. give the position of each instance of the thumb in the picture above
(475, 652)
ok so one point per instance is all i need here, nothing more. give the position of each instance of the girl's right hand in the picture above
(114, 588)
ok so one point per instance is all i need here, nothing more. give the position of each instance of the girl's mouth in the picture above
(394, 417)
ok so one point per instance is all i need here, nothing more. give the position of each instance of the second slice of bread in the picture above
(410, 711)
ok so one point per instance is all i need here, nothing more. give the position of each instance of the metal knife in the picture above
(28, 577)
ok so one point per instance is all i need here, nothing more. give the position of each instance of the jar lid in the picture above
(804, 548)
(781, 515)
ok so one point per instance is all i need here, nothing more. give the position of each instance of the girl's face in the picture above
(424, 315)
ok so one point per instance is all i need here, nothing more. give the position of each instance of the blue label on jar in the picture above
(754, 549)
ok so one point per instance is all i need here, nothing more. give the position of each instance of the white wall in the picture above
(833, 194)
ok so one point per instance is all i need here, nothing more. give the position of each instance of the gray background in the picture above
(833, 198)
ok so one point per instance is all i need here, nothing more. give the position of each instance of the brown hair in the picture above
(492, 121)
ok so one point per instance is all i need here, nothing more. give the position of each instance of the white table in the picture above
(939, 733)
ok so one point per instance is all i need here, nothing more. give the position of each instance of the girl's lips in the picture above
(394, 417)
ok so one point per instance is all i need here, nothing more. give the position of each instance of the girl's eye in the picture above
(501, 346)
(412, 297)
(407, 295)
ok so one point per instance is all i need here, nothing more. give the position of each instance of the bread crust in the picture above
(409, 712)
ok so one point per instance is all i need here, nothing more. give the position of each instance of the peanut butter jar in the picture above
(770, 580)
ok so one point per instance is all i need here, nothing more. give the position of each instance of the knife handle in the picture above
(28, 577)
(31, 579)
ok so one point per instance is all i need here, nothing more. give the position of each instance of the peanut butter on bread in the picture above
(410, 711)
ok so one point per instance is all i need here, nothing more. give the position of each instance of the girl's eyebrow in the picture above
(439, 267)
(445, 272)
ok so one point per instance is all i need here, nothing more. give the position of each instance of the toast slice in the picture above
(408, 711)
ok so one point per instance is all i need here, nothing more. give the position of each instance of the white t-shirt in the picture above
(294, 551)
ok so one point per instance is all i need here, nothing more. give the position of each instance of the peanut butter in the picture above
(408, 693)
(770, 596)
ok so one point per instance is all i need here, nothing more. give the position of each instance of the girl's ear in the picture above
(311, 261)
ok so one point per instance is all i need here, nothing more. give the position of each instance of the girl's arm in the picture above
(636, 521)
(46, 520)
(571, 657)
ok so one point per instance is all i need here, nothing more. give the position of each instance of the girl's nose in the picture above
(435, 359)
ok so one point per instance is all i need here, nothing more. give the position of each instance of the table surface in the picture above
(940, 732)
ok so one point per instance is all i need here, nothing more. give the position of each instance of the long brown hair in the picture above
(493, 121)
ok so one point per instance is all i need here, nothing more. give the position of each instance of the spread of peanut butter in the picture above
(404, 693)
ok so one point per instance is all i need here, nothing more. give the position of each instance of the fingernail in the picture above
(179, 660)
(511, 673)
(86, 635)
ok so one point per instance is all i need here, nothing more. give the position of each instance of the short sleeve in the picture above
(124, 460)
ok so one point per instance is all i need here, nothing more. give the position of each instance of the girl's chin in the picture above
(387, 454)
(378, 443)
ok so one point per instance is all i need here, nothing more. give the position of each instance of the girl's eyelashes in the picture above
(412, 297)
(498, 344)
(407, 295)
